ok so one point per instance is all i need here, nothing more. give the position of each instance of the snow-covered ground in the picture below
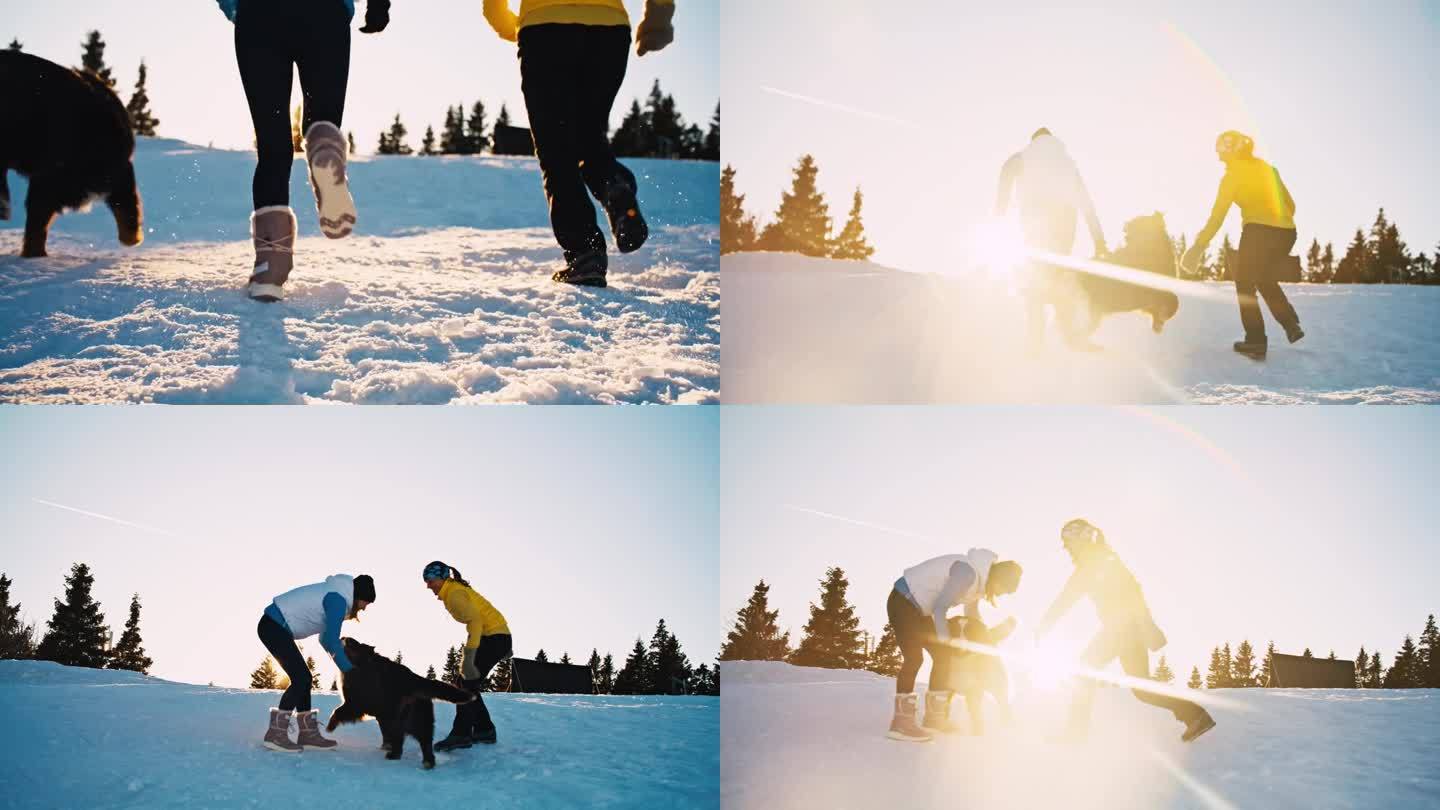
(442, 296)
(803, 330)
(77, 737)
(804, 737)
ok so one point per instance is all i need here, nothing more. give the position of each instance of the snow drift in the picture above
(78, 737)
(805, 330)
(443, 295)
(805, 737)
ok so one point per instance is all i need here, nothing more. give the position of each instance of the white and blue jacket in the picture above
(317, 609)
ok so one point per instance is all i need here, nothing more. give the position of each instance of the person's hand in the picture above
(1191, 259)
(468, 670)
(655, 30)
(1008, 626)
(377, 16)
(1101, 252)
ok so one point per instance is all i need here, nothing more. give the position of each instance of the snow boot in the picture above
(453, 741)
(1293, 333)
(278, 737)
(937, 712)
(586, 269)
(622, 208)
(325, 156)
(1197, 725)
(483, 737)
(1253, 349)
(273, 230)
(902, 725)
(310, 736)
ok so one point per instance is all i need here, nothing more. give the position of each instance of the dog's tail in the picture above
(439, 690)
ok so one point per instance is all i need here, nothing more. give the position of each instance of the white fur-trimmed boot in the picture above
(278, 737)
(273, 230)
(902, 724)
(310, 736)
(325, 155)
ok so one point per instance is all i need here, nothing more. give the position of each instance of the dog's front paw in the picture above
(392, 754)
(333, 724)
(429, 764)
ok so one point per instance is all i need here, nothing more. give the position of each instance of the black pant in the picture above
(1125, 641)
(473, 717)
(272, 38)
(1262, 251)
(915, 633)
(569, 75)
(282, 645)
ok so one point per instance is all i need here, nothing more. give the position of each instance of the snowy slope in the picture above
(92, 738)
(803, 737)
(443, 295)
(801, 330)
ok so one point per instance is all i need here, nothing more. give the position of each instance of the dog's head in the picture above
(1147, 246)
(358, 653)
(112, 171)
(1162, 309)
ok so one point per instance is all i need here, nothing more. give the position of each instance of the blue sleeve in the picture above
(962, 578)
(330, 639)
(228, 7)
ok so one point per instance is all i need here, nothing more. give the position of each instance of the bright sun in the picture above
(1048, 665)
(996, 246)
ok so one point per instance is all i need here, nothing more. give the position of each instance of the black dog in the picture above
(396, 697)
(69, 134)
(1147, 247)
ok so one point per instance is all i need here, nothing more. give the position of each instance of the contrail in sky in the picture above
(845, 108)
(852, 521)
(140, 526)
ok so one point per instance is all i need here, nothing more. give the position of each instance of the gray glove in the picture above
(468, 669)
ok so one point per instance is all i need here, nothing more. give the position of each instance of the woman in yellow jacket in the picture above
(1267, 214)
(487, 644)
(573, 55)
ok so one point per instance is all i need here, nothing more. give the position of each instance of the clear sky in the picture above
(434, 55)
(1307, 526)
(920, 104)
(584, 526)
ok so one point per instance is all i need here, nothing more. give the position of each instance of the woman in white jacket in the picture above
(917, 610)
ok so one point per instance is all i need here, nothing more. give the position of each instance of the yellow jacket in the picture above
(1256, 187)
(538, 12)
(472, 610)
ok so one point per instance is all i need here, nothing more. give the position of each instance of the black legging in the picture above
(1262, 249)
(915, 633)
(569, 75)
(272, 38)
(473, 717)
(282, 645)
(1126, 642)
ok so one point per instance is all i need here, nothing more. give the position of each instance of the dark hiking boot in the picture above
(310, 736)
(278, 737)
(586, 269)
(273, 229)
(902, 724)
(1294, 333)
(622, 207)
(1199, 724)
(937, 712)
(486, 737)
(454, 741)
(1253, 349)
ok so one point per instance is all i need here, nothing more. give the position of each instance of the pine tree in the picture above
(1354, 266)
(1389, 258)
(128, 653)
(1242, 669)
(141, 120)
(93, 58)
(1225, 262)
(692, 143)
(16, 45)
(264, 676)
(427, 144)
(1163, 673)
(1215, 676)
(451, 667)
(605, 683)
(1313, 271)
(1428, 671)
(503, 119)
(430, 672)
(77, 635)
(832, 636)
(1375, 673)
(564, 657)
(1403, 670)
(350, 139)
(1307, 653)
(665, 662)
(335, 685)
(712, 137)
(392, 141)
(475, 138)
(755, 636)
(701, 681)
(499, 680)
(314, 673)
(1331, 657)
(664, 123)
(634, 676)
(851, 243)
(1361, 659)
(1194, 682)
(541, 656)
(802, 222)
(737, 230)
(630, 138)
(1327, 263)
(594, 665)
(452, 133)
(17, 638)
(399, 657)
(1267, 667)
(886, 659)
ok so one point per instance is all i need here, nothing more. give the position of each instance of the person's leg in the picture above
(287, 653)
(276, 638)
(1135, 660)
(323, 58)
(612, 184)
(265, 71)
(1280, 241)
(1250, 267)
(549, 66)
(907, 637)
(492, 650)
(1102, 651)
